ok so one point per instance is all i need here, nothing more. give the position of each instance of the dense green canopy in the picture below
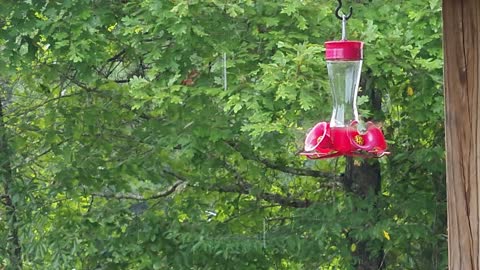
(121, 149)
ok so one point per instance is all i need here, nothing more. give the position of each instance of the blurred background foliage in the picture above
(121, 148)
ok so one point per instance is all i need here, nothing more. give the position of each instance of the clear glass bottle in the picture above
(344, 64)
(344, 79)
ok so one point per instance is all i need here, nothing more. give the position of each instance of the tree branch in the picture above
(37, 106)
(293, 170)
(139, 197)
(122, 81)
(279, 199)
(240, 188)
(243, 187)
(3, 199)
(39, 155)
(283, 168)
(117, 56)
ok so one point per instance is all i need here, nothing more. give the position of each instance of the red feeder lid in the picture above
(344, 50)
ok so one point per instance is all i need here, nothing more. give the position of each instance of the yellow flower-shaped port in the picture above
(359, 140)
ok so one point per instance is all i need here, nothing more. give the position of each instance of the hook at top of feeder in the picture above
(342, 17)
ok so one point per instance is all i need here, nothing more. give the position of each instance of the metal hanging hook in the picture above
(342, 17)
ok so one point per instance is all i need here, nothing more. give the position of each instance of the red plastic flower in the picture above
(326, 142)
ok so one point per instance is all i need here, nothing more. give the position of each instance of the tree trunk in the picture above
(13, 242)
(362, 178)
(461, 46)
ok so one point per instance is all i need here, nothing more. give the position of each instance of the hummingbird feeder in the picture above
(345, 134)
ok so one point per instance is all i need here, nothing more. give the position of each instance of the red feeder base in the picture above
(324, 141)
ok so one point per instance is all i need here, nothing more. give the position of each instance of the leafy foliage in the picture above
(127, 152)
